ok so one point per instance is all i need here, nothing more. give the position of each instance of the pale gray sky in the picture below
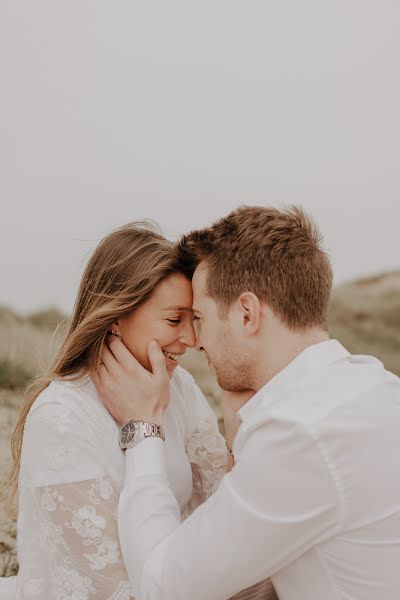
(180, 110)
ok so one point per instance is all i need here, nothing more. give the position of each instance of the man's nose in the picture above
(198, 344)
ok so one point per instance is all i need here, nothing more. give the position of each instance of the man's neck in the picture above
(276, 355)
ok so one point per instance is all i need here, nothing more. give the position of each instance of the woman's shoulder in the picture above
(69, 436)
(65, 392)
(65, 399)
(69, 416)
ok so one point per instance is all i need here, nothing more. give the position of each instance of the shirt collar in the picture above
(308, 362)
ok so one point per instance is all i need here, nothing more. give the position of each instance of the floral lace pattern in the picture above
(82, 532)
(208, 456)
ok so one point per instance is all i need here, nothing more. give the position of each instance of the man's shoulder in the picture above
(337, 389)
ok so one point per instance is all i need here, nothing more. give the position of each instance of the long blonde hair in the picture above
(122, 273)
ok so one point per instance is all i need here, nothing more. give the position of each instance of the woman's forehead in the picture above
(175, 292)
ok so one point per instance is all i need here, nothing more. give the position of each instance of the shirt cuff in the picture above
(147, 458)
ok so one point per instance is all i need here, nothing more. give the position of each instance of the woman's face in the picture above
(166, 317)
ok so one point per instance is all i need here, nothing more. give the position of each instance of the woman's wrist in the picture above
(230, 451)
(234, 401)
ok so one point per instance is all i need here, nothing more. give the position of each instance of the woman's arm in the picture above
(75, 505)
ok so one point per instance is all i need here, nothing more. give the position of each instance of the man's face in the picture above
(219, 336)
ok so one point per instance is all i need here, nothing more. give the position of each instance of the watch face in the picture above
(129, 432)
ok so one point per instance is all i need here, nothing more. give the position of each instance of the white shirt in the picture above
(313, 500)
(72, 472)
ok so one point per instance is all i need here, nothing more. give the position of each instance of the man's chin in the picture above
(224, 383)
(230, 384)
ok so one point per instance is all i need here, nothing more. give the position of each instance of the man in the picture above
(313, 499)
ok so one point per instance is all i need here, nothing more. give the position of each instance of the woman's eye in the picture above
(195, 318)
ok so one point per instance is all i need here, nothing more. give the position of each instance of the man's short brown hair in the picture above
(276, 254)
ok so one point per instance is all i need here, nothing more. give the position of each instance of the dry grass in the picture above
(27, 345)
(364, 316)
(9, 406)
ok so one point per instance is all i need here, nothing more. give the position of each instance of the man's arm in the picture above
(278, 501)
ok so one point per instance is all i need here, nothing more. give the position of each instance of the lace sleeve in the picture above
(205, 446)
(68, 541)
(81, 530)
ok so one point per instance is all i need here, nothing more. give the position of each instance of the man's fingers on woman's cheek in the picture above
(109, 360)
(111, 343)
(124, 357)
(103, 352)
(156, 359)
(97, 375)
(95, 378)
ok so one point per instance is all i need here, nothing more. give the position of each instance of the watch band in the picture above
(134, 432)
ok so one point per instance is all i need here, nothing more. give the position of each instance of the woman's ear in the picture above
(115, 329)
(251, 312)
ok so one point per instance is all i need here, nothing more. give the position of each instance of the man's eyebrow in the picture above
(179, 308)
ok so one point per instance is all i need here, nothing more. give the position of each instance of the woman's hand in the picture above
(127, 389)
(231, 402)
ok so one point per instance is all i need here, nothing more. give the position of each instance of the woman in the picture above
(67, 462)
(65, 444)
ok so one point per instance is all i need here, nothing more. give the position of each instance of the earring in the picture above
(113, 332)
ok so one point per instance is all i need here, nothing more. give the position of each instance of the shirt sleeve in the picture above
(76, 505)
(258, 521)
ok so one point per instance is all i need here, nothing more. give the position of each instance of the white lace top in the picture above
(71, 475)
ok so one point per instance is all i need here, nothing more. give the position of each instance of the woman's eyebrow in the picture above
(179, 308)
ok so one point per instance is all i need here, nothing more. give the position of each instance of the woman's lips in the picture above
(170, 361)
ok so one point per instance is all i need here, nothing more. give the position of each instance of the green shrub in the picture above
(48, 318)
(13, 376)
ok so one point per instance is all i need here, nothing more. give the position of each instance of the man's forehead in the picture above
(199, 285)
(199, 279)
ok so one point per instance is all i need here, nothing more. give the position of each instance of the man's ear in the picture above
(250, 308)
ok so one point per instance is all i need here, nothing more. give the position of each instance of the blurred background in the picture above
(180, 111)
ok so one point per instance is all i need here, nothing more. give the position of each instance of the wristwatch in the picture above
(134, 432)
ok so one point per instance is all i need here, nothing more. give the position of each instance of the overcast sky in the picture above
(181, 110)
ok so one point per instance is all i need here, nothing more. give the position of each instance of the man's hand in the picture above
(127, 389)
(231, 402)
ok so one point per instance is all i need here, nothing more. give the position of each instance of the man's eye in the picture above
(174, 321)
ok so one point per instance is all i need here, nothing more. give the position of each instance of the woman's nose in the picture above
(188, 336)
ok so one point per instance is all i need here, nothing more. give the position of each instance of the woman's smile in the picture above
(171, 358)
